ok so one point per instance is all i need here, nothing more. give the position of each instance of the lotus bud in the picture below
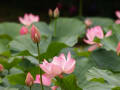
(1, 68)
(29, 79)
(35, 34)
(50, 13)
(88, 22)
(56, 13)
(23, 30)
(118, 49)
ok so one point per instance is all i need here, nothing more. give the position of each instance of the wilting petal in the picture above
(92, 48)
(46, 80)
(118, 49)
(69, 66)
(117, 14)
(109, 33)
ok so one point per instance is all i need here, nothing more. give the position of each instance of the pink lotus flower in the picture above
(118, 15)
(35, 34)
(29, 79)
(50, 69)
(67, 64)
(1, 68)
(98, 33)
(118, 49)
(23, 30)
(54, 87)
(28, 19)
(45, 79)
(59, 65)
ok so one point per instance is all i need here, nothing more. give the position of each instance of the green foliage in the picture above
(97, 70)
(106, 60)
(68, 83)
(10, 29)
(9, 63)
(116, 88)
(109, 77)
(53, 50)
(23, 43)
(68, 30)
(101, 21)
(17, 79)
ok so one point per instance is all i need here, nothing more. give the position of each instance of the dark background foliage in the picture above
(11, 9)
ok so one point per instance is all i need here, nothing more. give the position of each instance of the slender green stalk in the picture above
(50, 19)
(42, 88)
(80, 8)
(55, 27)
(30, 88)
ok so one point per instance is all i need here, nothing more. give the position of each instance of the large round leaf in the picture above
(82, 66)
(116, 29)
(110, 43)
(106, 60)
(23, 43)
(10, 29)
(4, 45)
(109, 77)
(101, 21)
(68, 30)
(97, 86)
